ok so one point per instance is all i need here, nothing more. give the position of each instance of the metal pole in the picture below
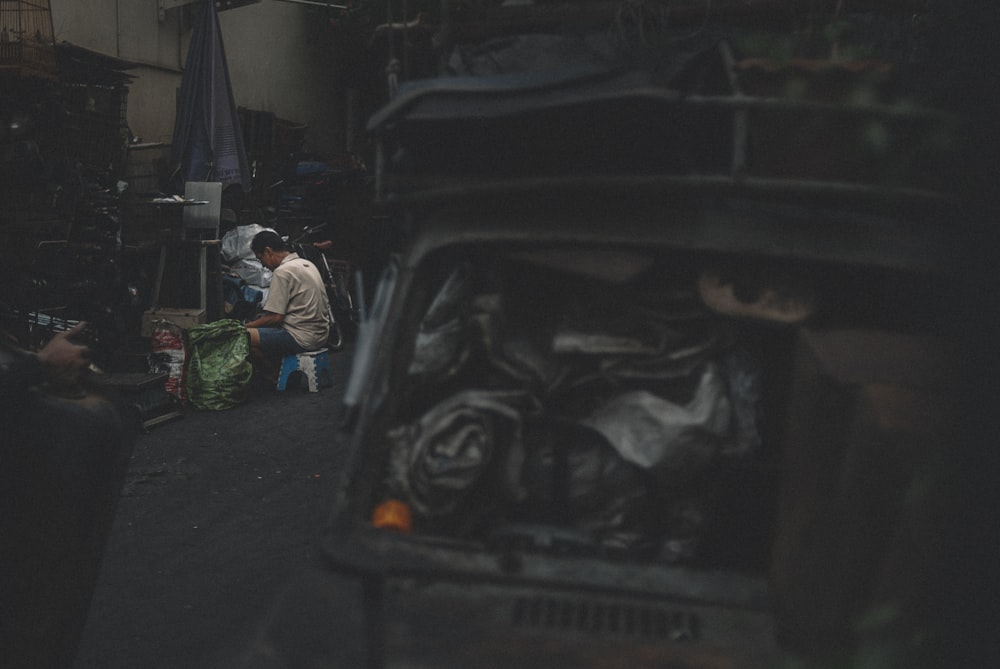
(317, 4)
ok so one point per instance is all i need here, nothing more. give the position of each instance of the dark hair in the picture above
(267, 238)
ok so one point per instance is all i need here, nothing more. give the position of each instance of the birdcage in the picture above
(26, 39)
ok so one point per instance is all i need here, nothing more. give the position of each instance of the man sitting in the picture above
(296, 314)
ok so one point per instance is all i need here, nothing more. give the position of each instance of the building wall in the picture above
(280, 61)
(277, 55)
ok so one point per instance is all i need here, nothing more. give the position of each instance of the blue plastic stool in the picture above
(312, 364)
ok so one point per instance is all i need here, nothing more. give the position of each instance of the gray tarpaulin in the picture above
(655, 433)
(442, 340)
(236, 242)
(437, 460)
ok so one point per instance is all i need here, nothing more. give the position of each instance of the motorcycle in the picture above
(336, 274)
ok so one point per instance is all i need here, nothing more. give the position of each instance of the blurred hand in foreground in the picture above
(63, 360)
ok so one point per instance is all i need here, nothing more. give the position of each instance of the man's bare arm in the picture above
(267, 320)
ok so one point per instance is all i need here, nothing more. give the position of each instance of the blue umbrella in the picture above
(207, 142)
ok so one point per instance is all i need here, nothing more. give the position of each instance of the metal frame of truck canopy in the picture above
(414, 580)
(698, 214)
(417, 577)
(731, 214)
(627, 98)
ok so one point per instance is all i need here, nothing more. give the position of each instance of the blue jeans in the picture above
(277, 343)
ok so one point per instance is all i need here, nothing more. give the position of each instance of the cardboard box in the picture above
(182, 318)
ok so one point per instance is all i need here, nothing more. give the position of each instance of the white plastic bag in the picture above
(654, 433)
(236, 242)
(253, 273)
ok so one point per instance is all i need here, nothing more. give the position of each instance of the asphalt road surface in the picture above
(219, 513)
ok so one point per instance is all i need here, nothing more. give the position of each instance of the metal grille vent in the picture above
(602, 617)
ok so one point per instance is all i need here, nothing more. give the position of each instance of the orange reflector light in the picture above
(393, 515)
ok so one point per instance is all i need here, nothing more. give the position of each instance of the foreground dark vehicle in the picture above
(652, 408)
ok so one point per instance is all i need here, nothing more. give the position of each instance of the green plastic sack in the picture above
(219, 368)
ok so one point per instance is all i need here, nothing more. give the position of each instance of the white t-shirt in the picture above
(297, 292)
